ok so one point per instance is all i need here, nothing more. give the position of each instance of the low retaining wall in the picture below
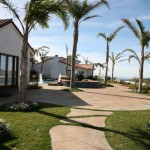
(83, 84)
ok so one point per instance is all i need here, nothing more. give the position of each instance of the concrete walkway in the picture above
(86, 134)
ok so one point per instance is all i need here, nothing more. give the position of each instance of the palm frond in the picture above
(89, 17)
(131, 27)
(12, 9)
(102, 35)
(114, 34)
(122, 60)
(133, 56)
(140, 25)
(96, 5)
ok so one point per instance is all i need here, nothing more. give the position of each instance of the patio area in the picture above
(110, 98)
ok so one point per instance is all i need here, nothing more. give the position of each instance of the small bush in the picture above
(5, 93)
(22, 107)
(4, 130)
(133, 86)
(34, 86)
(80, 77)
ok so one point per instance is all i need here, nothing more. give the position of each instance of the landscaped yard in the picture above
(129, 130)
(30, 130)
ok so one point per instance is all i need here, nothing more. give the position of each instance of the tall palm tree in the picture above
(67, 60)
(37, 12)
(115, 59)
(79, 11)
(144, 38)
(135, 56)
(108, 40)
(100, 65)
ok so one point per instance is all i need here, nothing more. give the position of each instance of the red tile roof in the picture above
(80, 66)
(85, 66)
(4, 22)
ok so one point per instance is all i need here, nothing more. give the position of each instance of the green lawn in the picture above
(30, 130)
(128, 130)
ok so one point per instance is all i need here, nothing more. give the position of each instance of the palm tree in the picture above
(36, 13)
(42, 53)
(136, 57)
(115, 60)
(33, 61)
(79, 11)
(108, 40)
(67, 60)
(144, 37)
(100, 65)
(86, 60)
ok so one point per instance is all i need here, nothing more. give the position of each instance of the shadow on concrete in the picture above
(118, 95)
(47, 96)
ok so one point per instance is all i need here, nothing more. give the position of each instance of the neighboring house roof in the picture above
(64, 61)
(5, 22)
(85, 66)
(80, 66)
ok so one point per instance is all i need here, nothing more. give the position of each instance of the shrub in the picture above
(34, 86)
(4, 130)
(80, 77)
(5, 93)
(133, 86)
(22, 107)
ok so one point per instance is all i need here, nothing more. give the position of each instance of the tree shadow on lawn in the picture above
(137, 135)
(4, 140)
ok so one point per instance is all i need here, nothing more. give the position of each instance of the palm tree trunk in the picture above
(107, 61)
(67, 67)
(112, 77)
(41, 67)
(141, 70)
(23, 69)
(75, 36)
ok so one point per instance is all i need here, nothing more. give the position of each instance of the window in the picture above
(8, 70)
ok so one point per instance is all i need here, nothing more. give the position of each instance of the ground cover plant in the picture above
(34, 86)
(129, 130)
(30, 130)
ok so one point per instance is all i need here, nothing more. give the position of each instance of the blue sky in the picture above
(89, 45)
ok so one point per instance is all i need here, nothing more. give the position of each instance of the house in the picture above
(10, 53)
(54, 66)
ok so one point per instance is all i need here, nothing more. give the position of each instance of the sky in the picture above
(89, 45)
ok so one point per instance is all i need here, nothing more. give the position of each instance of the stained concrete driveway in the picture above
(110, 98)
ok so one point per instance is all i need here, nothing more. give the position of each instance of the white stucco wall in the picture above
(52, 68)
(11, 43)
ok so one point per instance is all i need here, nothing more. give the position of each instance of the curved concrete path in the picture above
(88, 137)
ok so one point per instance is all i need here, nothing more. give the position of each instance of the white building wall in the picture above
(52, 68)
(11, 43)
